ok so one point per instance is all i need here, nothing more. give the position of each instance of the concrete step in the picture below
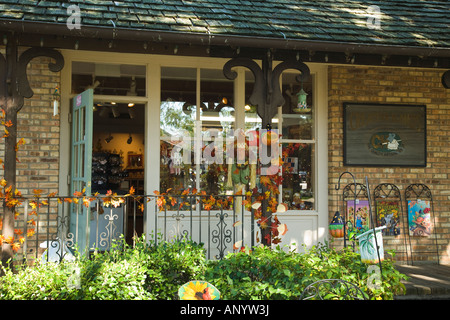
(430, 282)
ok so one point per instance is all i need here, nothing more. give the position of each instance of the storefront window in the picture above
(211, 128)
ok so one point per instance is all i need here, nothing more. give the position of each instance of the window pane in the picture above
(178, 114)
(298, 180)
(108, 79)
(297, 115)
(178, 101)
(217, 110)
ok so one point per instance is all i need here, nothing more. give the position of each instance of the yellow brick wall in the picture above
(38, 159)
(396, 86)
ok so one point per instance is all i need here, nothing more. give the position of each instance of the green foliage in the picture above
(145, 271)
(156, 271)
(279, 274)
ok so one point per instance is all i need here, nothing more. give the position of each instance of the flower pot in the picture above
(337, 226)
(368, 246)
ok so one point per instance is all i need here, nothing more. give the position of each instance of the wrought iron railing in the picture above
(53, 228)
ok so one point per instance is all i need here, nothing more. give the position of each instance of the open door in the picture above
(81, 164)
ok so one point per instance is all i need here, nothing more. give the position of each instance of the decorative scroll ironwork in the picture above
(221, 235)
(333, 289)
(353, 191)
(391, 194)
(107, 236)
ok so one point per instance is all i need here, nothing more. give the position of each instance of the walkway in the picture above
(428, 281)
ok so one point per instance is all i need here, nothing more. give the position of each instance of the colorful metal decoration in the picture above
(337, 226)
(198, 290)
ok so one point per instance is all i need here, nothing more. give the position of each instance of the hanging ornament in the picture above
(55, 101)
(302, 106)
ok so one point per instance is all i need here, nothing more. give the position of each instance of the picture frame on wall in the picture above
(385, 135)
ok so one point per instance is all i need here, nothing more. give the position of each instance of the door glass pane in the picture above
(82, 159)
(82, 124)
(76, 126)
(76, 159)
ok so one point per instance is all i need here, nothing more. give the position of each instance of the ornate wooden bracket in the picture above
(266, 93)
(446, 79)
(14, 87)
(13, 72)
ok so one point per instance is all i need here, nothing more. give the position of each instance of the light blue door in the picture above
(81, 165)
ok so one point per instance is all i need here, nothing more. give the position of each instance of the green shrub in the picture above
(277, 274)
(145, 271)
(156, 271)
(47, 281)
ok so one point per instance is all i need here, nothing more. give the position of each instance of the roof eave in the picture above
(207, 39)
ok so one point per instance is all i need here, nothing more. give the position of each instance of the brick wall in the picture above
(38, 165)
(396, 86)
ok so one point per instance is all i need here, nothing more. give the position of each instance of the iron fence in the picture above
(53, 228)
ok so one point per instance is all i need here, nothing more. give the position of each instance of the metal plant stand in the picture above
(351, 192)
(421, 230)
(387, 196)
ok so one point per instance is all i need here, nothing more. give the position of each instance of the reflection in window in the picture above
(185, 128)
(297, 176)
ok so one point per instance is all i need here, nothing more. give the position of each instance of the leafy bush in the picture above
(156, 271)
(145, 271)
(277, 274)
(39, 282)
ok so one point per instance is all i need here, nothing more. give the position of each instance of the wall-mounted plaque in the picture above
(384, 135)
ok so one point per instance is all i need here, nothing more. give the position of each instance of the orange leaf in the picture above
(282, 229)
(237, 245)
(237, 223)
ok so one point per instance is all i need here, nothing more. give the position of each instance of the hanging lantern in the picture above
(337, 226)
(55, 101)
(302, 106)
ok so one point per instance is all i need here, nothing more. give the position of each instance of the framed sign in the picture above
(385, 135)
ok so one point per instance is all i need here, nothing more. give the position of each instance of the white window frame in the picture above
(317, 218)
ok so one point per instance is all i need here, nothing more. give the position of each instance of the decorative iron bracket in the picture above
(266, 94)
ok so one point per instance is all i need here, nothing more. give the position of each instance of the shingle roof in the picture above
(414, 23)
